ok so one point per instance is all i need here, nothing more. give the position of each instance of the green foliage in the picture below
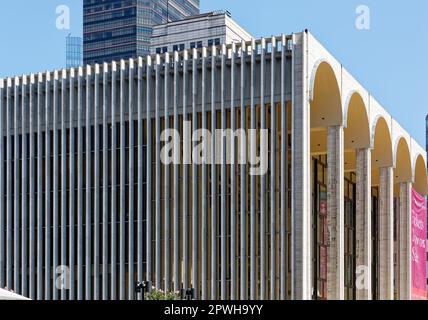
(161, 295)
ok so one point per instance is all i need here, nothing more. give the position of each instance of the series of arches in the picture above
(381, 162)
(364, 127)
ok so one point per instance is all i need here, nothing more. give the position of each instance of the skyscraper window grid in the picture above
(74, 56)
(122, 29)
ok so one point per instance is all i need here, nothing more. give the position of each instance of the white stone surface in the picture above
(386, 235)
(198, 28)
(335, 219)
(364, 224)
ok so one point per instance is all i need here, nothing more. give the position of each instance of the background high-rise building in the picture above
(426, 122)
(74, 55)
(121, 29)
(212, 28)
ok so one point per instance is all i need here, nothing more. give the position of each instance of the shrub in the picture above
(161, 295)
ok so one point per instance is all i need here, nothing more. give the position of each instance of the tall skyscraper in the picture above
(74, 55)
(121, 29)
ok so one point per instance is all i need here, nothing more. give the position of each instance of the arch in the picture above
(313, 76)
(357, 130)
(402, 161)
(381, 142)
(420, 179)
(326, 105)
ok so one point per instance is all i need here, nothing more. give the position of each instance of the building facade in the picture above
(426, 148)
(74, 51)
(90, 204)
(205, 30)
(118, 29)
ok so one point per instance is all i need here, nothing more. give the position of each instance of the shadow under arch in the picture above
(402, 161)
(381, 142)
(357, 130)
(420, 179)
(326, 106)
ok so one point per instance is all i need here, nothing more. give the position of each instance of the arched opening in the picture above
(326, 106)
(403, 163)
(420, 176)
(325, 112)
(381, 157)
(356, 137)
(357, 131)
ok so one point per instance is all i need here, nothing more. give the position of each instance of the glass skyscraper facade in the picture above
(121, 29)
(426, 122)
(74, 47)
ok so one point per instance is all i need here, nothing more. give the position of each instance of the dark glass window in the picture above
(216, 41)
(121, 29)
(350, 236)
(320, 230)
(161, 50)
(178, 47)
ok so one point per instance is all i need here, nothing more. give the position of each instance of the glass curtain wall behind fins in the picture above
(86, 158)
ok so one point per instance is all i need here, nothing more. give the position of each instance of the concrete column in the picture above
(405, 240)
(335, 205)
(363, 226)
(386, 228)
(301, 195)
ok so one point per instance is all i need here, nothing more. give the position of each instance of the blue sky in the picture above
(390, 59)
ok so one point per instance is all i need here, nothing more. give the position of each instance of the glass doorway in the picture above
(350, 236)
(375, 243)
(319, 226)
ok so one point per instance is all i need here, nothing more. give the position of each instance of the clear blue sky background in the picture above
(390, 60)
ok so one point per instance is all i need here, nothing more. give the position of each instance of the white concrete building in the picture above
(83, 186)
(205, 30)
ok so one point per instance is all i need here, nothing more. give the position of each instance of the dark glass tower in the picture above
(426, 125)
(73, 51)
(121, 29)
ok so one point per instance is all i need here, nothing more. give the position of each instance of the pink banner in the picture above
(419, 252)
